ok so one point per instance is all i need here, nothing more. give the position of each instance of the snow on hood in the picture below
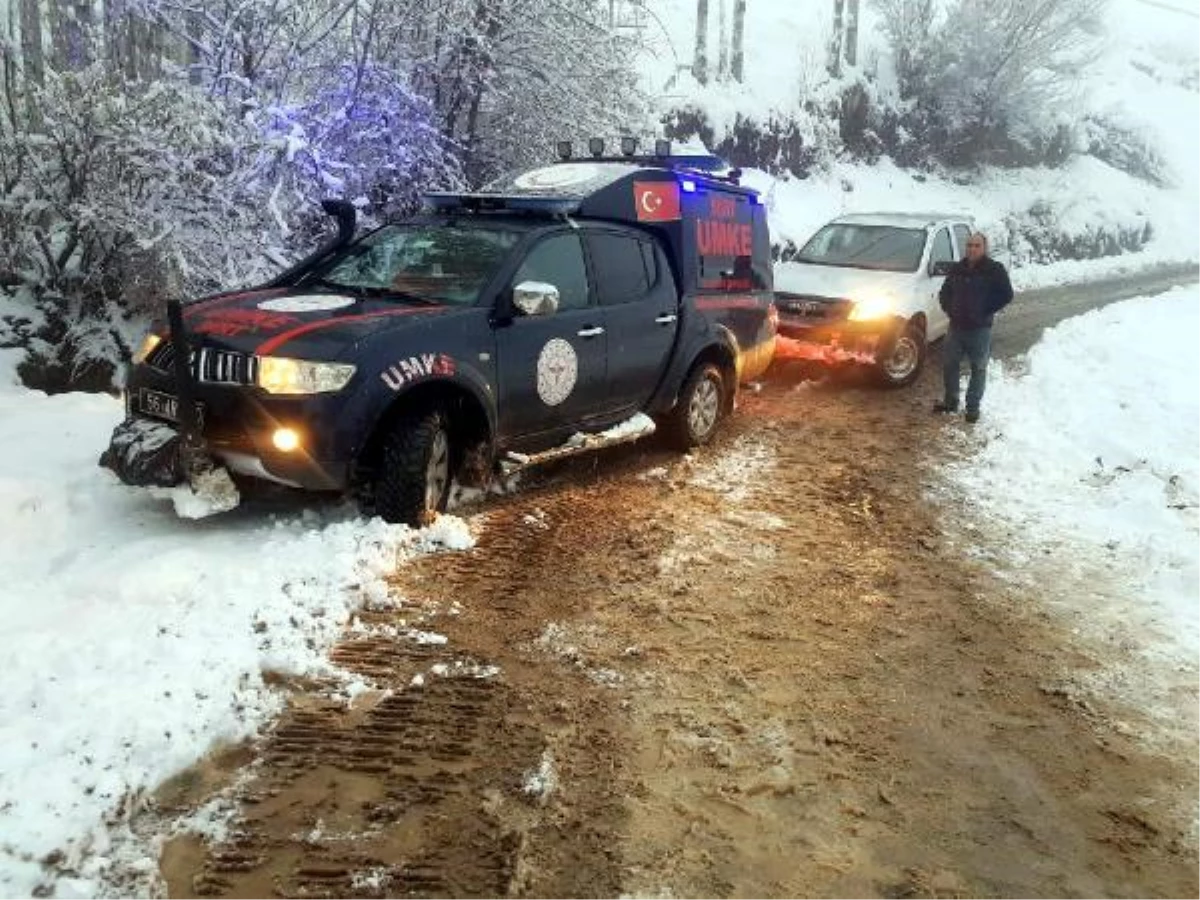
(836, 282)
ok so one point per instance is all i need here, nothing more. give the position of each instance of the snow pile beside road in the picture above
(1092, 457)
(133, 641)
(1085, 197)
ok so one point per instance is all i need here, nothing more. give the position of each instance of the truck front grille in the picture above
(209, 365)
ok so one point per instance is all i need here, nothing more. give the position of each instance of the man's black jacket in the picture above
(972, 294)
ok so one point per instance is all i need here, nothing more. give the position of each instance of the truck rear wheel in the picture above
(413, 481)
(696, 415)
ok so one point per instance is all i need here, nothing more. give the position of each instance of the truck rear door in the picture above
(641, 309)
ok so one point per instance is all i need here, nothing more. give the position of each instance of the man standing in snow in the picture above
(975, 289)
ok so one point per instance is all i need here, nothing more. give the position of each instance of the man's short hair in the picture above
(980, 235)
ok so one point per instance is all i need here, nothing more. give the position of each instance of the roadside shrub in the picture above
(1126, 149)
(777, 145)
(1037, 236)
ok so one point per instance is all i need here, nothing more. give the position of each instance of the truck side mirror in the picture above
(535, 298)
(940, 268)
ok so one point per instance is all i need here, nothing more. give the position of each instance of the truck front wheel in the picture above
(694, 419)
(413, 480)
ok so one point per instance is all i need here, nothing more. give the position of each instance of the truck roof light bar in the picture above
(550, 206)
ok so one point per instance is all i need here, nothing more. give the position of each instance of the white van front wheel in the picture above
(901, 360)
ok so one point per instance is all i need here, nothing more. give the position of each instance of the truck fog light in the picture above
(285, 439)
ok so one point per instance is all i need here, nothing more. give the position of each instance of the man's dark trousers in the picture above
(976, 345)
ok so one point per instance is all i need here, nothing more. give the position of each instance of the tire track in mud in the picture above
(857, 710)
(762, 671)
(424, 789)
(376, 800)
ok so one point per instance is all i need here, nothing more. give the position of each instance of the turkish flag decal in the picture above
(656, 201)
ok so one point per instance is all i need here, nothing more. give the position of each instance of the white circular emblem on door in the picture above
(557, 371)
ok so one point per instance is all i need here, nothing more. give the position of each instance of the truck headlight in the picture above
(280, 375)
(872, 308)
(149, 342)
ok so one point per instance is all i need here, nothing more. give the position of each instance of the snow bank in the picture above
(1092, 460)
(133, 641)
(1084, 198)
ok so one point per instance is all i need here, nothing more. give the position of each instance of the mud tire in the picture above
(694, 420)
(415, 473)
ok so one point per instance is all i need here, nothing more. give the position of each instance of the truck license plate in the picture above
(165, 406)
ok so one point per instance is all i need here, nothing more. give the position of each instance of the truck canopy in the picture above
(714, 229)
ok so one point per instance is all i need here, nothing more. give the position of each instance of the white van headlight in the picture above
(872, 308)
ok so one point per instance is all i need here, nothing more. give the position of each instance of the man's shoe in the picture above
(972, 416)
(943, 407)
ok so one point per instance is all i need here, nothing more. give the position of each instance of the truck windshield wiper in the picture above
(380, 293)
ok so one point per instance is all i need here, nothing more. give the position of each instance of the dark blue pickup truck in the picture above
(570, 307)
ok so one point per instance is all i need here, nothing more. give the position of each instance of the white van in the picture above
(864, 289)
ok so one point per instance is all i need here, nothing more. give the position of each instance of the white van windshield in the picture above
(866, 247)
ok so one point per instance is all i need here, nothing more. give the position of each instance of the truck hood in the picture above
(305, 324)
(837, 282)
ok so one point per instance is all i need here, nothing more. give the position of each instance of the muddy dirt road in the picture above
(759, 671)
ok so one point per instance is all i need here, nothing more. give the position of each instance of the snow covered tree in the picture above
(151, 148)
(996, 80)
(909, 27)
(700, 60)
(739, 40)
(509, 77)
(116, 198)
(722, 43)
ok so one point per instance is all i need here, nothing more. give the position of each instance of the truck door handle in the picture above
(591, 332)
(666, 318)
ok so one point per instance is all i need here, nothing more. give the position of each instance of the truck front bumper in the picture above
(238, 431)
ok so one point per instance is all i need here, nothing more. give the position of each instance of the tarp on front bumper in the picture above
(145, 453)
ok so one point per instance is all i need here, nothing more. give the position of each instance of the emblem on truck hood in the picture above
(307, 303)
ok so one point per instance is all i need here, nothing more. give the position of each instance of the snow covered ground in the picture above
(1088, 459)
(134, 640)
(1145, 80)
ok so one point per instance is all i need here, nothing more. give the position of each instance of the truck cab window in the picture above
(558, 260)
(620, 268)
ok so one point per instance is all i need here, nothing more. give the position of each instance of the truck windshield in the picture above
(865, 247)
(440, 263)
